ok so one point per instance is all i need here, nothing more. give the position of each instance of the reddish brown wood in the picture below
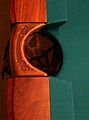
(9, 98)
(19, 64)
(27, 98)
(28, 11)
(0, 85)
(30, 100)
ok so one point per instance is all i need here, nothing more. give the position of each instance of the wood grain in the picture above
(28, 11)
(30, 100)
(19, 64)
(27, 98)
(9, 98)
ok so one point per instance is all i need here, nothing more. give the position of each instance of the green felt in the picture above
(74, 38)
(62, 107)
(56, 12)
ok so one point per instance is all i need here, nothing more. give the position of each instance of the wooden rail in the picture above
(28, 11)
(27, 97)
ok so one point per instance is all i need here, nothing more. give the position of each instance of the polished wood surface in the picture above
(19, 64)
(27, 94)
(28, 11)
(28, 98)
(9, 98)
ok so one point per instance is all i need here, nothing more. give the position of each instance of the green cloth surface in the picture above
(62, 107)
(74, 39)
(56, 12)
